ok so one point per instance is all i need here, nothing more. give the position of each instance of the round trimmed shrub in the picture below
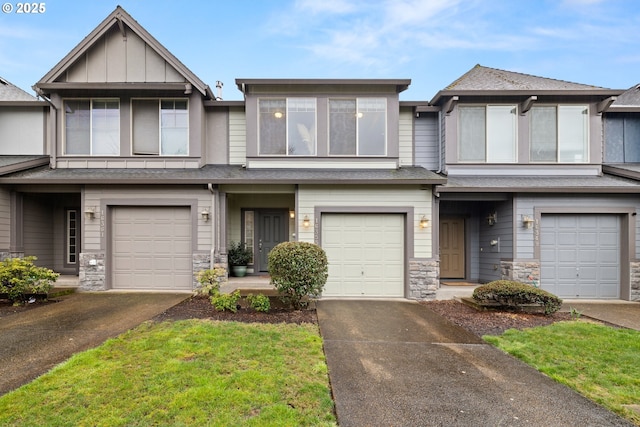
(298, 270)
(514, 294)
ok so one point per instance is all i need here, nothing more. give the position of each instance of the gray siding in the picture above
(5, 219)
(38, 231)
(426, 141)
(525, 205)
(622, 138)
(21, 130)
(490, 256)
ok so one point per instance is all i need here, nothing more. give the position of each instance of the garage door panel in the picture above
(582, 262)
(366, 254)
(151, 248)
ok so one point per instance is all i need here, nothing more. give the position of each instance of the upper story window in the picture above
(287, 126)
(92, 127)
(358, 127)
(559, 133)
(487, 133)
(160, 127)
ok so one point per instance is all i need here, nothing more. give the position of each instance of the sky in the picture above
(431, 42)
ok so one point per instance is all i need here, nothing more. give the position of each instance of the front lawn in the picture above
(186, 373)
(599, 362)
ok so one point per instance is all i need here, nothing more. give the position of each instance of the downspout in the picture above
(215, 231)
(54, 128)
(440, 147)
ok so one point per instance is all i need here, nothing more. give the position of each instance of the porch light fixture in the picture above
(278, 114)
(527, 221)
(292, 214)
(205, 215)
(305, 222)
(492, 218)
(90, 212)
(424, 222)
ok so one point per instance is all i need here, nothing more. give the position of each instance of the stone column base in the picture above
(423, 279)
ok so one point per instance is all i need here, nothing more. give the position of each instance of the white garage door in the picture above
(366, 254)
(580, 255)
(151, 248)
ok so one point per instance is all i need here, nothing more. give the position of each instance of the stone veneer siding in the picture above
(524, 271)
(5, 255)
(635, 281)
(92, 277)
(423, 279)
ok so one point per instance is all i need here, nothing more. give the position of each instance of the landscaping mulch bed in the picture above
(199, 307)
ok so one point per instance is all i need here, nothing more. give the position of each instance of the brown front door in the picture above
(452, 248)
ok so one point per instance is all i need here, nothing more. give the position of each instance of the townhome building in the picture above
(129, 172)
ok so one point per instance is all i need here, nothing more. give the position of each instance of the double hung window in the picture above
(92, 127)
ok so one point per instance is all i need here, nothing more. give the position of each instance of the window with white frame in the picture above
(92, 127)
(160, 127)
(487, 133)
(287, 126)
(559, 133)
(358, 127)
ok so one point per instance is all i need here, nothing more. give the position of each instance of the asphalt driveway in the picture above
(398, 363)
(33, 342)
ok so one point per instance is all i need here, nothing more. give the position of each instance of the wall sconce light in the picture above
(306, 222)
(527, 221)
(205, 215)
(278, 114)
(424, 222)
(292, 214)
(90, 212)
(492, 218)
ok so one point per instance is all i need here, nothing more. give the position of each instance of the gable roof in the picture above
(482, 80)
(628, 100)
(11, 93)
(121, 19)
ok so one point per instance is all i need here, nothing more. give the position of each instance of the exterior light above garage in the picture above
(90, 212)
(424, 222)
(527, 221)
(306, 222)
(205, 215)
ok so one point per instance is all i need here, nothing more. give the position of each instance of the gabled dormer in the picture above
(322, 123)
(123, 100)
(500, 122)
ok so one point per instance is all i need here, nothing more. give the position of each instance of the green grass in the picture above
(599, 362)
(187, 373)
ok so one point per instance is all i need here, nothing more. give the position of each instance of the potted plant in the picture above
(239, 257)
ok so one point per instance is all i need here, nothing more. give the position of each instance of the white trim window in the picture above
(487, 133)
(92, 127)
(160, 127)
(287, 127)
(559, 134)
(358, 127)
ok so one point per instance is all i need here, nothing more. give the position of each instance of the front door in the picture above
(452, 248)
(271, 229)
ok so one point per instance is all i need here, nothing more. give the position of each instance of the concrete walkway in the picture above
(398, 363)
(33, 342)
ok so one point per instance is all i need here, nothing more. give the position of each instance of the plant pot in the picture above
(239, 270)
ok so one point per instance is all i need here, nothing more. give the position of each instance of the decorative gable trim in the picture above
(121, 20)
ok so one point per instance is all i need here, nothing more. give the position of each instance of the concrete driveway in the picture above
(33, 342)
(398, 363)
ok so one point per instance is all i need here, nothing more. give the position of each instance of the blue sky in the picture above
(432, 42)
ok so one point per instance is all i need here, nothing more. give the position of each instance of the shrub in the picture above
(211, 280)
(239, 254)
(223, 302)
(298, 270)
(259, 302)
(19, 277)
(515, 294)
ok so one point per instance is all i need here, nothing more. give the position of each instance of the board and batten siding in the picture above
(575, 204)
(360, 196)
(93, 238)
(5, 219)
(405, 138)
(237, 137)
(426, 141)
